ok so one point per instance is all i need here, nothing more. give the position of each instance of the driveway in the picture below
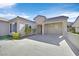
(37, 45)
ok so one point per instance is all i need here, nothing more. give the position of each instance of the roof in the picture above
(69, 23)
(39, 16)
(75, 21)
(53, 18)
(21, 18)
(3, 19)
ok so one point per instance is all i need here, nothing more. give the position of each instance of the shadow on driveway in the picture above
(51, 39)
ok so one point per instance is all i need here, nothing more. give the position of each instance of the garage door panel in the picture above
(55, 28)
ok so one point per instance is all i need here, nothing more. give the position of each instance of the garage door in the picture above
(4, 28)
(54, 28)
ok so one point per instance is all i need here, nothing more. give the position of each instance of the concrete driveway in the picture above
(50, 38)
(37, 45)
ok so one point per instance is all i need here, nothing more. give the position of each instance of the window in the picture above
(10, 28)
(15, 27)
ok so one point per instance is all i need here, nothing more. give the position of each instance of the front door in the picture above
(39, 29)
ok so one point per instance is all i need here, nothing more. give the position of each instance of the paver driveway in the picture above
(41, 45)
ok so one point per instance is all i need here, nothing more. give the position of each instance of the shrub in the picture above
(76, 32)
(15, 35)
(72, 30)
(28, 29)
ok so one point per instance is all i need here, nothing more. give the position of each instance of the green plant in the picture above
(6, 37)
(72, 30)
(76, 32)
(15, 35)
(27, 29)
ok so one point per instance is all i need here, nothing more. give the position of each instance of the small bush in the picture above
(72, 30)
(27, 30)
(15, 35)
(76, 32)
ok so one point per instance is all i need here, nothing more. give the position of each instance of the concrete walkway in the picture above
(30, 47)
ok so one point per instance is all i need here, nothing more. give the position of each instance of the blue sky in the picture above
(30, 10)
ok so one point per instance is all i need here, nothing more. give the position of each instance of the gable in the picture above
(20, 19)
(76, 23)
(40, 19)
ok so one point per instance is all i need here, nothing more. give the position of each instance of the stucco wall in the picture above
(4, 28)
(77, 29)
(74, 38)
(53, 28)
(64, 24)
(21, 25)
(40, 20)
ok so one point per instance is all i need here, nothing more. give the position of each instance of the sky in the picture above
(31, 10)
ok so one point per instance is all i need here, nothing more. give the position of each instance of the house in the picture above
(43, 25)
(55, 25)
(18, 24)
(4, 26)
(76, 24)
(69, 26)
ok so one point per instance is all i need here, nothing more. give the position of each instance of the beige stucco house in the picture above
(55, 25)
(43, 25)
(76, 24)
(18, 24)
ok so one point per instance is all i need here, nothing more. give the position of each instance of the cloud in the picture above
(3, 5)
(10, 15)
(71, 14)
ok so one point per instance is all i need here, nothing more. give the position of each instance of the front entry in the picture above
(39, 29)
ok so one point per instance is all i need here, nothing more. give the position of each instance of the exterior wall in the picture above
(4, 28)
(39, 29)
(56, 25)
(77, 29)
(40, 20)
(21, 25)
(53, 28)
(63, 26)
(12, 23)
(76, 24)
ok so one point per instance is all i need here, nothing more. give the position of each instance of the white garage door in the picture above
(54, 28)
(4, 28)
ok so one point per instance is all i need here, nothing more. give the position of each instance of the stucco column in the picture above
(65, 28)
(42, 29)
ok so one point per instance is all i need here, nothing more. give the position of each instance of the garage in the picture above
(4, 28)
(53, 28)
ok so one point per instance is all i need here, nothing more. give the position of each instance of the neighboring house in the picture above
(55, 25)
(43, 25)
(18, 25)
(4, 26)
(69, 26)
(76, 24)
